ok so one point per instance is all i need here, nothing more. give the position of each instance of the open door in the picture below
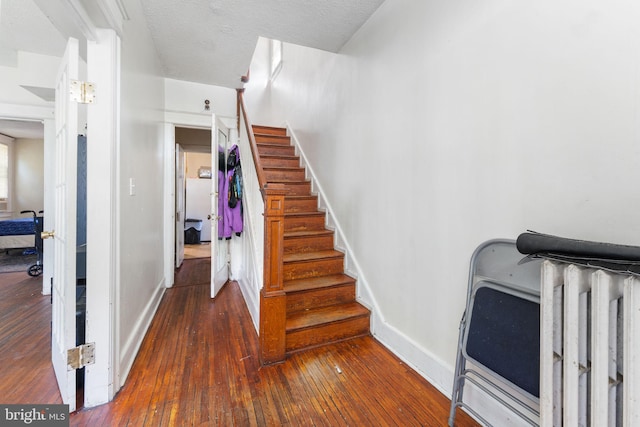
(180, 208)
(63, 294)
(219, 247)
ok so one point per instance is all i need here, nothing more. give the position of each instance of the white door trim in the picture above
(103, 221)
(45, 115)
(172, 120)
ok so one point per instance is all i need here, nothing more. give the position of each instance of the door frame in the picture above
(173, 120)
(103, 50)
(46, 116)
(102, 379)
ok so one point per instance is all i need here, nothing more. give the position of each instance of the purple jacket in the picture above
(228, 183)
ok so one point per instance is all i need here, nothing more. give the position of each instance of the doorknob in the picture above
(214, 217)
(47, 234)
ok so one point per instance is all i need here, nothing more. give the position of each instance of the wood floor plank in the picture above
(198, 365)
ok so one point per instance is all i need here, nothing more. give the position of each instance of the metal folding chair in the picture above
(499, 339)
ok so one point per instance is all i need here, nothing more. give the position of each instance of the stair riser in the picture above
(315, 222)
(323, 297)
(305, 269)
(327, 333)
(308, 244)
(276, 150)
(276, 162)
(273, 139)
(269, 130)
(298, 189)
(284, 174)
(300, 205)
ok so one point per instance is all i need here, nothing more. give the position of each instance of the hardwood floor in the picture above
(202, 250)
(198, 366)
(26, 372)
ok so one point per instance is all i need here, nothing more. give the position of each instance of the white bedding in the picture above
(15, 242)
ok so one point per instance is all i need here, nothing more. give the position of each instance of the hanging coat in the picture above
(233, 222)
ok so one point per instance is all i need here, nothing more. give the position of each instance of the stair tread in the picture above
(280, 156)
(300, 196)
(297, 285)
(308, 213)
(307, 233)
(282, 168)
(284, 181)
(324, 315)
(272, 136)
(269, 130)
(272, 144)
(309, 256)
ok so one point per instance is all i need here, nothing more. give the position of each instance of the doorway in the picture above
(198, 176)
(195, 145)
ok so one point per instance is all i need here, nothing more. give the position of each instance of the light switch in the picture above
(132, 187)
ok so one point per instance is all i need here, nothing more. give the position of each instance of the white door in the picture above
(63, 298)
(219, 247)
(179, 205)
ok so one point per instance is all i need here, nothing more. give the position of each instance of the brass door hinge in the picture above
(83, 92)
(81, 356)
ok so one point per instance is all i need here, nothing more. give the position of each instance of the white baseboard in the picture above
(440, 375)
(251, 299)
(132, 346)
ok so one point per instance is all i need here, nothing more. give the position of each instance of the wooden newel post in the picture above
(272, 295)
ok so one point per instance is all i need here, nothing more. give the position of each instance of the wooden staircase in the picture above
(320, 299)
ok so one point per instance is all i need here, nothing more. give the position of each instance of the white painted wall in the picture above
(141, 163)
(29, 175)
(441, 125)
(189, 97)
(30, 70)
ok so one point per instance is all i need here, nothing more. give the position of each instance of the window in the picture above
(5, 176)
(276, 58)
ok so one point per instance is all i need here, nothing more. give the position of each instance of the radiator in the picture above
(589, 347)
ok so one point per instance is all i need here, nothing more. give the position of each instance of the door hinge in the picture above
(83, 92)
(81, 356)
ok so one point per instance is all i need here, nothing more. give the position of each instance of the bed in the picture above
(17, 233)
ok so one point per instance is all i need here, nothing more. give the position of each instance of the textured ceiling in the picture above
(204, 41)
(24, 27)
(212, 41)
